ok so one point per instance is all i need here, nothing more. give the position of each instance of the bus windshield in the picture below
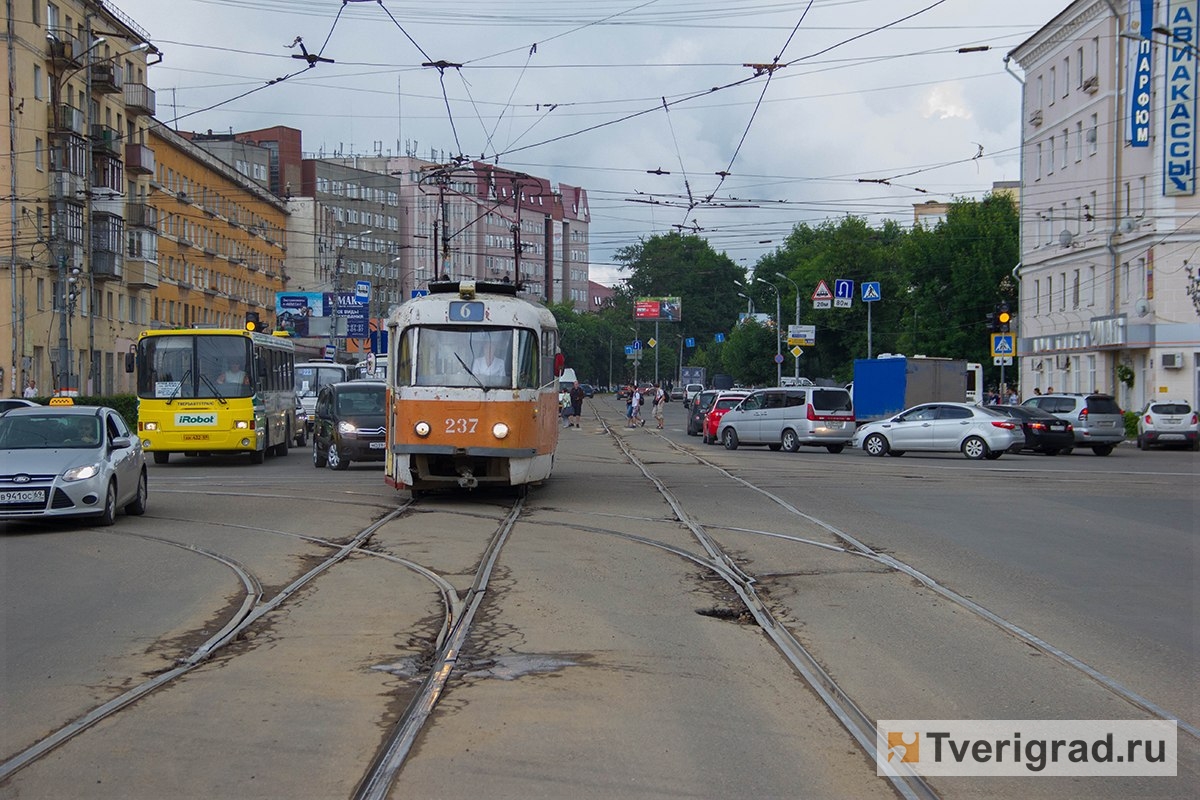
(195, 366)
(488, 358)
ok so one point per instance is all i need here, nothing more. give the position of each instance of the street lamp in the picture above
(797, 323)
(778, 350)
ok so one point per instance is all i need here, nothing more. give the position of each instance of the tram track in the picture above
(251, 609)
(853, 546)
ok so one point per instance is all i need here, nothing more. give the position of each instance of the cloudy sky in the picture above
(765, 113)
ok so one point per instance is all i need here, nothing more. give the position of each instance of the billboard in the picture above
(294, 312)
(666, 309)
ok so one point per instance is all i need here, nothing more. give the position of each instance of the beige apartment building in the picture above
(78, 161)
(1110, 222)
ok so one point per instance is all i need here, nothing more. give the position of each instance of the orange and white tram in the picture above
(473, 389)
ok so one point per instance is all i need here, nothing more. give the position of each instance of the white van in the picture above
(691, 392)
(789, 418)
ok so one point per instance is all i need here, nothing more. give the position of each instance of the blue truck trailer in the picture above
(885, 386)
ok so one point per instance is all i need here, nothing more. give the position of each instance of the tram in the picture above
(206, 391)
(473, 392)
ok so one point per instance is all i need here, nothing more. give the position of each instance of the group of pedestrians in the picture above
(638, 397)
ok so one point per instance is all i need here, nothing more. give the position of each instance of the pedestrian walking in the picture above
(577, 395)
(30, 390)
(635, 408)
(660, 400)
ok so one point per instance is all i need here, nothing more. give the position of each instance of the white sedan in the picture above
(975, 431)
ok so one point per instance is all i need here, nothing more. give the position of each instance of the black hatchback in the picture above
(698, 409)
(1044, 432)
(350, 424)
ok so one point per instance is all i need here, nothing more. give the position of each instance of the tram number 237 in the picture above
(461, 424)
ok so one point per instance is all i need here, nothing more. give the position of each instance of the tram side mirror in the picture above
(559, 361)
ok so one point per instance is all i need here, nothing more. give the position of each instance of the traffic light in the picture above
(1003, 318)
(991, 322)
(252, 321)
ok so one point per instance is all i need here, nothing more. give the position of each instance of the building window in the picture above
(1075, 290)
(39, 155)
(1053, 85)
(38, 94)
(1079, 141)
(1050, 154)
(1094, 135)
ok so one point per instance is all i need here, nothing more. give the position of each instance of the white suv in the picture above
(1168, 422)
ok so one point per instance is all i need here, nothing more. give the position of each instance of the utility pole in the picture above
(516, 229)
(797, 322)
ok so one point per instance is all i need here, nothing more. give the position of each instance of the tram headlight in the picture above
(500, 430)
(422, 429)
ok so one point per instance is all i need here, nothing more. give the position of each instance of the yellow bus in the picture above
(208, 391)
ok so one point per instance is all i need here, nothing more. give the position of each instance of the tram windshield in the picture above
(195, 366)
(489, 358)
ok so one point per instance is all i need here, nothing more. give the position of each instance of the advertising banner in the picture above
(665, 309)
(294, 312)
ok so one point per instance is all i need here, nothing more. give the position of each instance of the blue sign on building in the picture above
(1139, 97)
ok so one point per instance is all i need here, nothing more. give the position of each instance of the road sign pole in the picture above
(869, 329)
(656, 353)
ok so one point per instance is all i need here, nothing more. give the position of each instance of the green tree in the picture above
(748, 354)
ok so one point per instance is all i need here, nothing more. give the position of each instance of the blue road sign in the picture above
(419, 292)
(362, 290)
(843, 289)
(870, 292)
(690, 342)
(628, 349)
(1003, 345)
(637, 344)
(720, 337)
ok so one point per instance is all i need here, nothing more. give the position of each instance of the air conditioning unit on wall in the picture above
(1172, 360)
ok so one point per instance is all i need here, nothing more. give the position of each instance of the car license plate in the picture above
(195, 437)
(23, 496)
(377, 445)
(1107, 424)
(1171, 437)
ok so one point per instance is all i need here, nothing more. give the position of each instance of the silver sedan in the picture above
(62, 461)
(975, 431)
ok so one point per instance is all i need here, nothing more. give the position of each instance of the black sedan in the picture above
(698, 410)
(1044, 432)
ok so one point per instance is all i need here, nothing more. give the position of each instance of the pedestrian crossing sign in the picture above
(1003, 345)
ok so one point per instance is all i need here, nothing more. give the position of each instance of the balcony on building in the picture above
(107, 264)
(66, 186)
(63, 48)
(105, 140)
(139, 159)
(106, 78)
(139, 100)
(108, 175)
(69, 119)
(141, 215)
(141, 259)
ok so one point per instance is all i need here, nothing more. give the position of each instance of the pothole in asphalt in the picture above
(739, 615)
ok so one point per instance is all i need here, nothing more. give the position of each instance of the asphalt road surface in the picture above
(630, 630)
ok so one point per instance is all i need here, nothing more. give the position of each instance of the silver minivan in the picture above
(789, 418)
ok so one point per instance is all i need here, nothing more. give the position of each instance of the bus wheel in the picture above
(161, 458)
(258, 456)
(281, 449)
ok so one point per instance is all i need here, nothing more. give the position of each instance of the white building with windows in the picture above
(1110, 222)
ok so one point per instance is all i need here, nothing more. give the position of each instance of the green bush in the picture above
(125, 404)
(1131, 418)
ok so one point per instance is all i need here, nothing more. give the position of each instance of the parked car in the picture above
(300, 438)
(1044, 432)
(720, 406)
(1096, 418)
(690, 392)
(588, 389)
(789, 418)
(676, 392)
(350, 424)
(16, 402)
(1168, 422)
(698, 410)
(67, 460)
(975, 431)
